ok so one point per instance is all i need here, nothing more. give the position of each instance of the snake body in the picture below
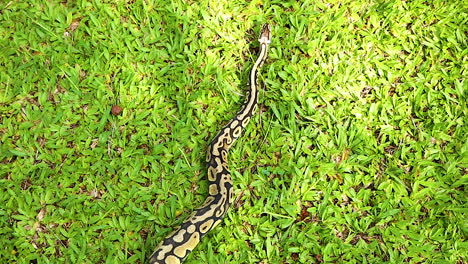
(176, 247)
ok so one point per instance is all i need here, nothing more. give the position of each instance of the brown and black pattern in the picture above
(176, 247)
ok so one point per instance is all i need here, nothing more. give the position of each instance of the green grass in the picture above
(359, 153)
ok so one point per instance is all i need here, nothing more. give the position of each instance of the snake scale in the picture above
(176, 247)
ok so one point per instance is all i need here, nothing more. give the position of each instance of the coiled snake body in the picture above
(176, 247)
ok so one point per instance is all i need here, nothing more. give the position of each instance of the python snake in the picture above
(176, 247)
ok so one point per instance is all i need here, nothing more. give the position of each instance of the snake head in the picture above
(265, 34)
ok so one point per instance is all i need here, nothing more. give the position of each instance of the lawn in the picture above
(358, 153)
